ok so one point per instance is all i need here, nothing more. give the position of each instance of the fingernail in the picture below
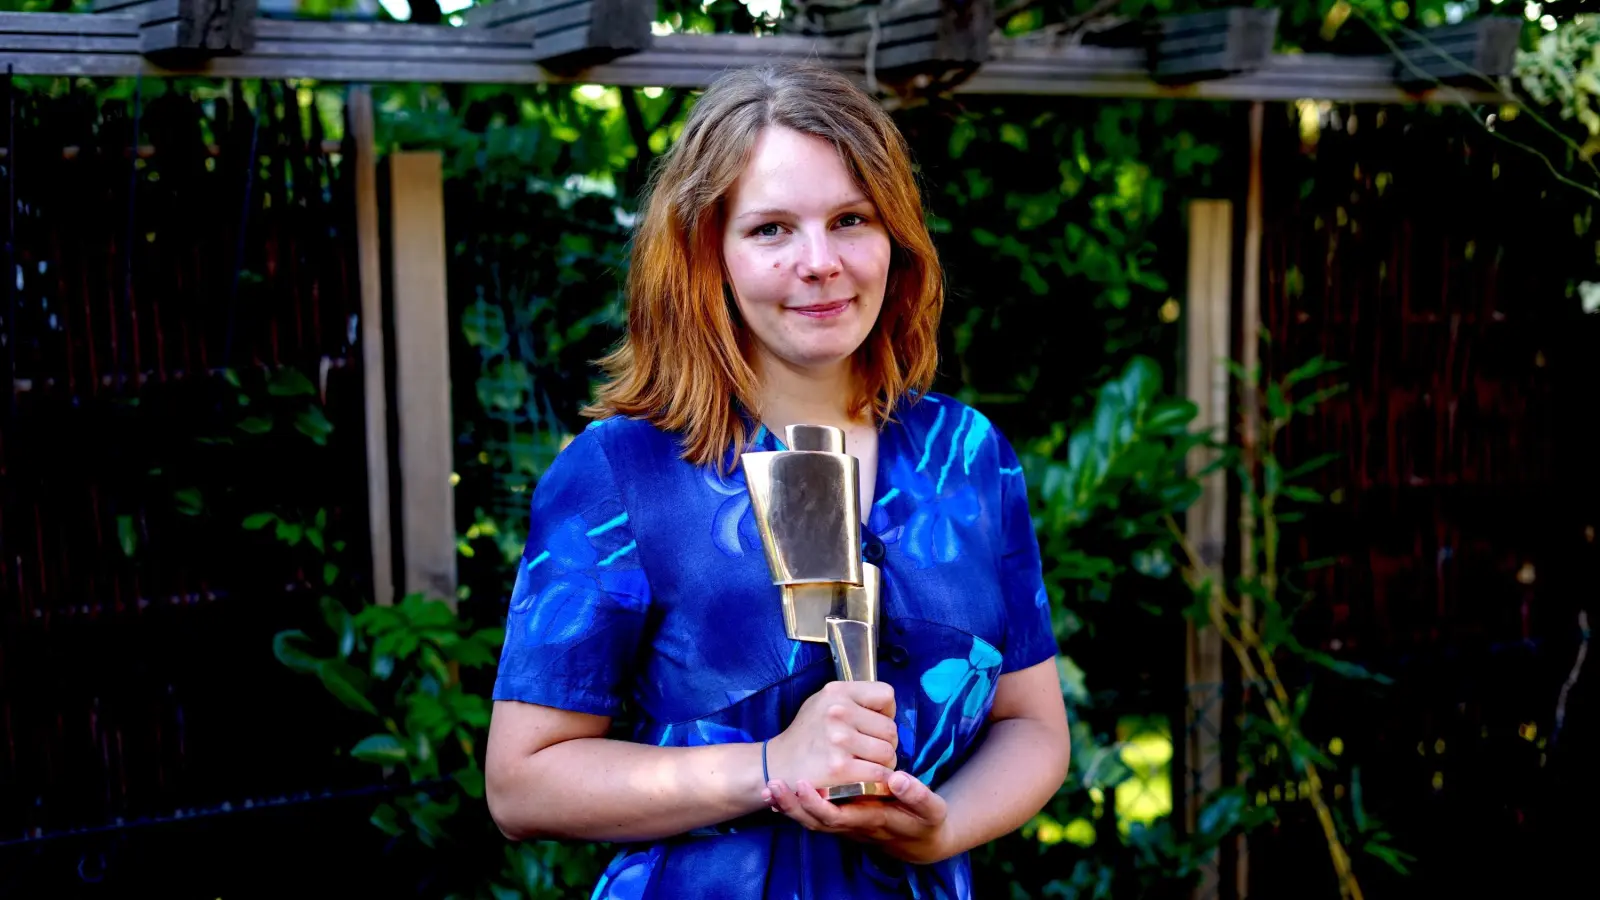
(899, 781)
(766, 797)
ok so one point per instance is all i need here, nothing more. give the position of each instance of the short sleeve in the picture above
(1030, 637)
(580, 598)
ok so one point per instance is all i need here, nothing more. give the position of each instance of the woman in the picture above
(781, 274)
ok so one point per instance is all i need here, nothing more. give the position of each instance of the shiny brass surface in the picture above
(854, 789)
(855, 649)
(807, 506)
(806, 607)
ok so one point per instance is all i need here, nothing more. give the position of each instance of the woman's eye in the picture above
(850, 219)
(768, 230)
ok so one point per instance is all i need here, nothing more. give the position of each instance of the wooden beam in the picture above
(903, 38)
(571, 34)
(107, 46)
(1213, 44)
(1207, 320)
(188, 29)
(422, 373)
(374, 369)
(1465, 53)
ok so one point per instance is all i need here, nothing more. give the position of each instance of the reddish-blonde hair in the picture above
(683, 364)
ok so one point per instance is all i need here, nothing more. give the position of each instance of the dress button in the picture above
(874, 550)
(898, 655)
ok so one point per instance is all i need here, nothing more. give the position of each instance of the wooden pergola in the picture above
(909, 44)
(903, 47)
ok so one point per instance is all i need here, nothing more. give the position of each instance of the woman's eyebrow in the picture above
(775, 212)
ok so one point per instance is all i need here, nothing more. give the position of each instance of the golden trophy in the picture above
(807, 505)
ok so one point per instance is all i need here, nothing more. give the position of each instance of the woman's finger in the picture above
(864, 746)
(917, 798)
(829, 816)
(787, 802)
(873, 724)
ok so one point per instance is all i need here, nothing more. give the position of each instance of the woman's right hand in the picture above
(843, 733)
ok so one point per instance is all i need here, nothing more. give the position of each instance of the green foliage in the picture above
(402, 667)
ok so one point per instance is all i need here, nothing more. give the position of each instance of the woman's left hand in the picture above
(911, 827)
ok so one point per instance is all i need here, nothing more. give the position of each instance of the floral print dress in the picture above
(643, 590)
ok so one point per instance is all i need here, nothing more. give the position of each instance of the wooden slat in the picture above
(66, 23)
(369, 261)
(1207, 325)
(422, 373)
(1017, 66)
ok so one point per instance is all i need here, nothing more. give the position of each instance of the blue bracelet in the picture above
(765, 778)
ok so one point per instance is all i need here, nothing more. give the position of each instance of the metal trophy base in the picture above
(842, 792)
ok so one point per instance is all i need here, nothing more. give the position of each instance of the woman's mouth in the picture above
(823, 310)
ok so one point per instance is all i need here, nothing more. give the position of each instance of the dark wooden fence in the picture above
(1442, 266)
(169, 254)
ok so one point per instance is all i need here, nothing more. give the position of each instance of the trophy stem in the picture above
(855, 658)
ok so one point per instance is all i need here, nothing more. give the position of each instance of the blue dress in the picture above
(643, 588)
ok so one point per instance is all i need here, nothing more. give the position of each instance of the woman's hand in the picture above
(844, 732)
(910, 828)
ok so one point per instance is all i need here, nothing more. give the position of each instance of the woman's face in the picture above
(806, 254)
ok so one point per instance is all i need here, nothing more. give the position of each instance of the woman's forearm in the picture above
(1012, 775)
(607, 790)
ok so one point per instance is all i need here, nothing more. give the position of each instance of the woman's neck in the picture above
(791, 396)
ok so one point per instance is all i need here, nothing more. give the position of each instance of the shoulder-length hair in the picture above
(682, 363)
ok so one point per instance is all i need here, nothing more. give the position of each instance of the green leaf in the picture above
(387, 818)
(256, 424)
(314, 537)
(330, 571)
(188, 501)
(1277, 406)
(1311, 368)
(1170, 415)
(1310, 465)
(314, 424)
(231, 377)
(1302, 494)
(290, 533)
(258, 521)
(127, 535)
(1152, 562)
(347, 684)
(471, 654)
(1345, 668)
(961, 135)
(287, 382)
(471, 781)
(1222, 812)
(384, 749)
(290, 649)
(341, 623)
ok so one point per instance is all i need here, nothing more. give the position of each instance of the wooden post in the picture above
(422, 373)
(369, 250)
(1208, 320)
(195, 29)
(1249, 356)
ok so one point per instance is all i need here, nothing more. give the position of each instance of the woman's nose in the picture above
(819, 259)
